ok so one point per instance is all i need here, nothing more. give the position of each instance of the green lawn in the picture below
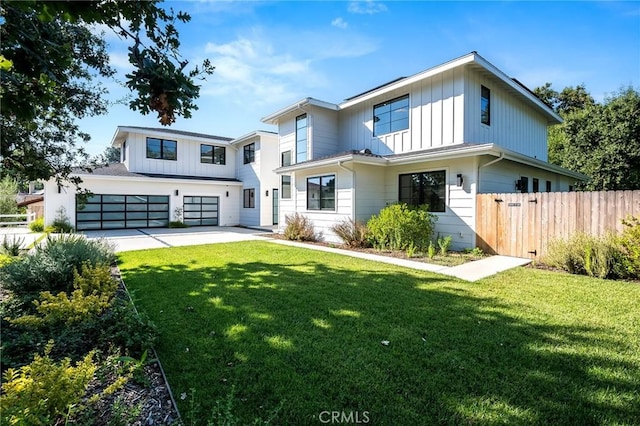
(303, 329)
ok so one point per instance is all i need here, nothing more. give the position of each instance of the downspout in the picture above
(353, 189)
(500, 158)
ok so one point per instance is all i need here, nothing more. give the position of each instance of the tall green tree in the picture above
(8, 193)
(49, 58)
(601, 140)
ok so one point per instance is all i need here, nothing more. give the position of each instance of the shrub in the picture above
(431, 250)
(300, 228)
(444, 244)
(12, 247)
(630, 247)
(61, 222)
(398, 226)
(5, 259)
(52, 266)
(177, 224)
(352, 233)
(587, 255)
(94, 289)
(37, 225)
(43, 391)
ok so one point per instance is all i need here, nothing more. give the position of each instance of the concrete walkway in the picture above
(471, 271)
(142, 239)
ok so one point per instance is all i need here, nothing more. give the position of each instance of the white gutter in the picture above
(353, 189)
(500, 158)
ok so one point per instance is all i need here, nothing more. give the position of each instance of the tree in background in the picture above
(49, 58)
(601, 140)
(8, 193)
(110, 155)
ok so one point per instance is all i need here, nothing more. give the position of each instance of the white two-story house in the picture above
(166, 175)
(438, 137)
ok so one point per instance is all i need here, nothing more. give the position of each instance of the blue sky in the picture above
(271, 54)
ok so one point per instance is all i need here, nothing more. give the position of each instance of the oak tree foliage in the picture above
(600, 140)
(51, 59)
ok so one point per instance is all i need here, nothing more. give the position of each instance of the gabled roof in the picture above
(252, 135)
(119, 137)
(472, 60)
(298, 106)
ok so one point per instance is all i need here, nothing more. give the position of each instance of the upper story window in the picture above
(391, 116)
(162, 149)
(485, 106)
(301, 138)
(249, 153)
(423, 188)
(211, 154)
(286, 158)
(321, 193)
(124, 151)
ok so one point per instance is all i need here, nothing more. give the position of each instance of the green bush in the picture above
(584, 254)
(300, 228)
(12, 246)
(352, 233)
(52, 266)
(630, 246)
(42, 392)
(94, 289)
(61, 223)
(177, 224)
(398, 226)
(37, 225)
(445, 244)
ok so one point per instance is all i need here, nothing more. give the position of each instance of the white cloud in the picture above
(256, 69)
(339, 23)
(367, 7)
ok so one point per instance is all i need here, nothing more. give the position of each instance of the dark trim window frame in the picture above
(162, 149)
(249, 198)
(124, 151)
(391, 116)
(249, 153)
(285, 187)
(285, 158)
(420, 188)
(548, 186)
(485, 105)
(321, 193)
(302, 138)
(536, 185)
(213, 154)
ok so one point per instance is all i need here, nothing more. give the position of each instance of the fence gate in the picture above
(523, 224)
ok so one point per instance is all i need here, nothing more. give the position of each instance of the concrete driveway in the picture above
(150, 238)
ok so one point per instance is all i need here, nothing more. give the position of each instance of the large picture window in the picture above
(424, 188)
(391, 116)
(301, 138)
(249, 152)
(485, 106)
(286, 186)
(162, 149)
(249, 198)
(211, 154)
(321, 193)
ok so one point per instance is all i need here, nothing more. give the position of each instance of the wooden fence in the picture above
(523, 224)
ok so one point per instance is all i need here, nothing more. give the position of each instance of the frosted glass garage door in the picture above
(108, 211)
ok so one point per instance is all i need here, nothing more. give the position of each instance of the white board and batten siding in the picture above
(188, 158)
(323, 132)
(436, 118)
(501, 177)
(514, 124)
(322, 219)
(249, 175)
(269, 161)
(458, 219)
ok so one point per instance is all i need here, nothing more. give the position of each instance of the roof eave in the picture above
(273, 118)
(348, 158)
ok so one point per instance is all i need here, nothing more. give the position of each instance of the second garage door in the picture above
(200, 210)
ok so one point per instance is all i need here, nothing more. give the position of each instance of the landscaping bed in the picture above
(74, 350)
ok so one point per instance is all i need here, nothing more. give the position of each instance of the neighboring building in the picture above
(439, 137)
(166, 173)
(34, 204)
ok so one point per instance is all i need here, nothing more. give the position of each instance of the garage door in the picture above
(106, 211)
(200, 210)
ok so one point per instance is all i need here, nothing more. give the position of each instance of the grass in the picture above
(303, 329)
